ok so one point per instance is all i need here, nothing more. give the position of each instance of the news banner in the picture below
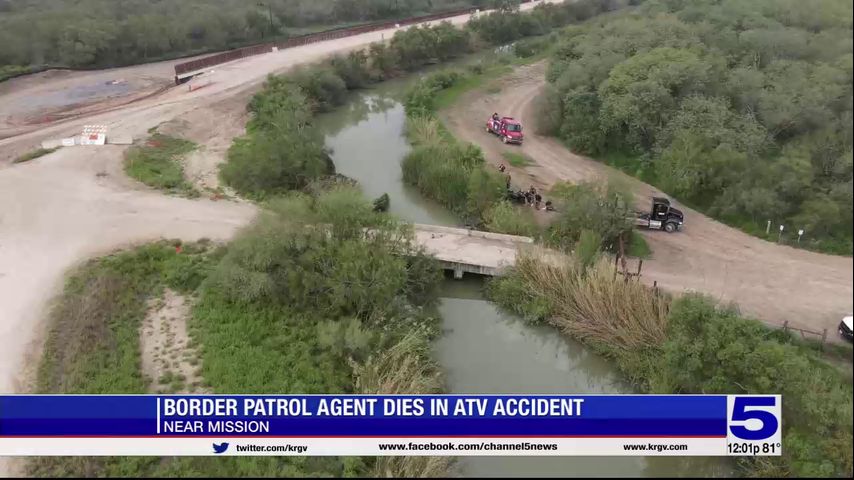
(453, 425)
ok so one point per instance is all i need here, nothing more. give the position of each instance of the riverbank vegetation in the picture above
(158, 164)
(268, 316)
(741, 109)
(452, 172)
(690, 345)
(282, 149)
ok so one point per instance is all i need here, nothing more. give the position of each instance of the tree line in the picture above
(741, 108)
(109, 33)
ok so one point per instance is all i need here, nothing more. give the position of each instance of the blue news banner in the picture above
(454, 425)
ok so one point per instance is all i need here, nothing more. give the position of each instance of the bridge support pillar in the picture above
(458, 273)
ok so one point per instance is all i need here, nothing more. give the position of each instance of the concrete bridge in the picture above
(470, 251)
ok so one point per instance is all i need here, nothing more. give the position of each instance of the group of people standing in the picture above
(531, 196)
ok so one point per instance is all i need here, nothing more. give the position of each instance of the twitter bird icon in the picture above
(221, 448)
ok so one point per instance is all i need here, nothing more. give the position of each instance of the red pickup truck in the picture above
(507, 129)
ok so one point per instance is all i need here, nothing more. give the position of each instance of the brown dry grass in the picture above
(405, 368)
(593, 304)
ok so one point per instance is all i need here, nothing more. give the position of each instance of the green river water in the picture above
(484, 350)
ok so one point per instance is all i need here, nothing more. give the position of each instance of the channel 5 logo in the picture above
(754, 418)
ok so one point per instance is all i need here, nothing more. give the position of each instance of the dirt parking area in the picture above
(771, 282)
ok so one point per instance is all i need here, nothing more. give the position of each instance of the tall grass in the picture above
(593, 304)
(422, 130)
(405, 368)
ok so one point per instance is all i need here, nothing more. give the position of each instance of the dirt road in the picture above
(76, 202)
(768, 281)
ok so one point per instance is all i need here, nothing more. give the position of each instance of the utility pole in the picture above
(270, 13)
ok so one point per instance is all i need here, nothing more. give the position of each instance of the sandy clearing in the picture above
(165, 346)
(72, 205)
(771, 282)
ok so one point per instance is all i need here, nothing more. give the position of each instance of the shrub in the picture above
(316, 255)
(602, 208)
(549, 108)
(484, 189)
(714, 350)
(325, 89)
(405, 368)
(285, 157)
(436, 170)
(504, 217)
(352, 69)
(158, 163)
(279, 95)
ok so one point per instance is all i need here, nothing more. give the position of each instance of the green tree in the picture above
(581, 127)
(284, 157)
(642, 93)
(604, 209)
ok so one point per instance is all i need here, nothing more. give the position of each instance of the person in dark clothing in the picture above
(537, 199)
(508, 181)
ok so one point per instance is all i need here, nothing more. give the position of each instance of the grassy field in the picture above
(449, 96)
(34, 154)
(638, 247)
(157, 163)
(482, 75)
(517, 159)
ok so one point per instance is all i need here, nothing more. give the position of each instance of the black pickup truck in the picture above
(661, 217)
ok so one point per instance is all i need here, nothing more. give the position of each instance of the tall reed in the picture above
(405, 368)
(594, 304)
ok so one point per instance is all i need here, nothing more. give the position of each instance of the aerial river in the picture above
(482, 349)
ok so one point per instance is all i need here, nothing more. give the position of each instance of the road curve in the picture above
(768, 281)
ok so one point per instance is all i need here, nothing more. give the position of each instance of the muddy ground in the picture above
(768, 281)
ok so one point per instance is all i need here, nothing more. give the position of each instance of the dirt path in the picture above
(169, 361)
(771, 282)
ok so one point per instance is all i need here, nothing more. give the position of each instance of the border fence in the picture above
(182, 69)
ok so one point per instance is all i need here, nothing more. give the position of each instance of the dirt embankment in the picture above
(768, 281)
